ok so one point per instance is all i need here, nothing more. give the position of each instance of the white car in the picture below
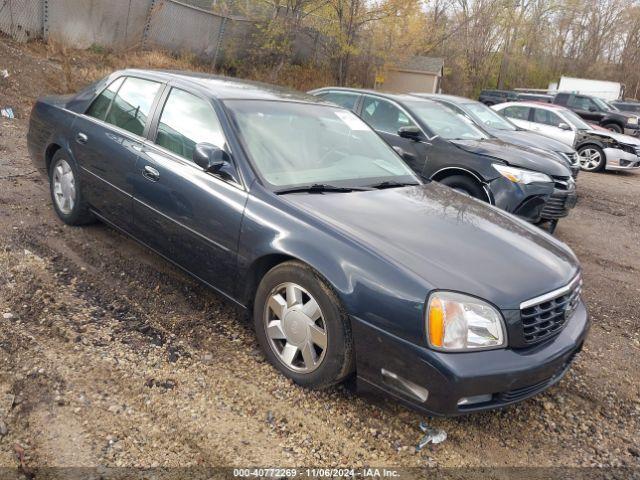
(598, 149)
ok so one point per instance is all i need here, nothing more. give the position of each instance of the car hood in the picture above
(449, 240)
(518, 156)
(533, 140)
(618, 137)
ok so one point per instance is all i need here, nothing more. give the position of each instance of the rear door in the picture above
(107, 140)
(548, 123)
(386, 118)
(185, 213)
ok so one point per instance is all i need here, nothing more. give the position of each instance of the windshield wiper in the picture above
(318, 188)
(393, 184)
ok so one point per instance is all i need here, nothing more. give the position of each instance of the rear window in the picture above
(100, 105)
(516, 112)
(131, 106)
(344, 99)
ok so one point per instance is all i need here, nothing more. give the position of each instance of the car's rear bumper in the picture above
(620, 160)
(503, 376)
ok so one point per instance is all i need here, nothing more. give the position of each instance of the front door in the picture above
(188, 215)
(107, 141)
(586, 108)
(549, 123)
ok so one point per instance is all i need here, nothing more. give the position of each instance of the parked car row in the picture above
(299, 213)
(465, 145)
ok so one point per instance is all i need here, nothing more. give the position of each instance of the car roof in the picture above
(398, 97)
(532, 104)
(225, 88)
(442, 96)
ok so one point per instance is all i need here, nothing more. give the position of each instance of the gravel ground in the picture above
(110, 356)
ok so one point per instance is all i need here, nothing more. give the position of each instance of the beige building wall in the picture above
(405, 82)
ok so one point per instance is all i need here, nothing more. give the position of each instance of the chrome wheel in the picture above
(295, 328)
(64, 187)
(590, 159)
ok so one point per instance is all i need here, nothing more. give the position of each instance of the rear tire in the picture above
(310, 343)
(66, 191)
(592, 158)
(466, 185)
(614, 127)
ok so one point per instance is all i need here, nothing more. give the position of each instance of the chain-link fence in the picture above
(168, 24)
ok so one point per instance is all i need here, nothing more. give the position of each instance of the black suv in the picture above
(493, 97)
(596, 110)
(441, 145)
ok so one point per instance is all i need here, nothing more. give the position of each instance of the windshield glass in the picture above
(611, 106)
(602, 104)
(297, 144)
(575, 120)
(486, 116)
(445, 122)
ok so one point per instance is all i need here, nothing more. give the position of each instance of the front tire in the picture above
(614, 127)
(466, 185)
(592, 158)
(301, 326)
(66, 194)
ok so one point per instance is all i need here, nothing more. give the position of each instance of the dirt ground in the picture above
(110, 356)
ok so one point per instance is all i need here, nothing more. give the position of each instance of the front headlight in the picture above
(632, 121)
(519, 175)
(457, 322)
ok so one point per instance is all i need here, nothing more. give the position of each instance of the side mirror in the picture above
(210, 158)
(593, 109)
(564, 126)
(412, 133)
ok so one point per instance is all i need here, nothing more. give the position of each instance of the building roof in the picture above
(420, 63)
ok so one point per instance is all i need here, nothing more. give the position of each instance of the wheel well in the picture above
(614, 122)
(449, 172)
(589, 145)
(49, 153)
(256, 271)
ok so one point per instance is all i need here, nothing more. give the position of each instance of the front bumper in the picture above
(563, 199)
(618, 159)
(503, 376)
(633, 131)
(525, 201)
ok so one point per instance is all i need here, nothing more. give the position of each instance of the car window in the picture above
(546, 117)
(187, 120)
(384, 116)
(344, 99)
(100, 105)
(445, 122)
(516, 112)
(580, 103)
(130, 108)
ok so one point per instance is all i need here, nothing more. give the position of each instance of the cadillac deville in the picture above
(298, 212)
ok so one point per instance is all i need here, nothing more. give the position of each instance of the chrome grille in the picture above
(544, 317)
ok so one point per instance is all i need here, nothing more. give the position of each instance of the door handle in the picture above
(151, 173)
(81, 138)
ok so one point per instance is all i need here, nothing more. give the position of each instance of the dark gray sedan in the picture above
(299, 213)
(502, 128)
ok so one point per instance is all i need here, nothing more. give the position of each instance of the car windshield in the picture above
(611, 106)
(602, 104)
(445, 122)
(575, 120)
(297, 144)
(486, 116)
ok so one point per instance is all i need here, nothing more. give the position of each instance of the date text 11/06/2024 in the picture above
(315, 472)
